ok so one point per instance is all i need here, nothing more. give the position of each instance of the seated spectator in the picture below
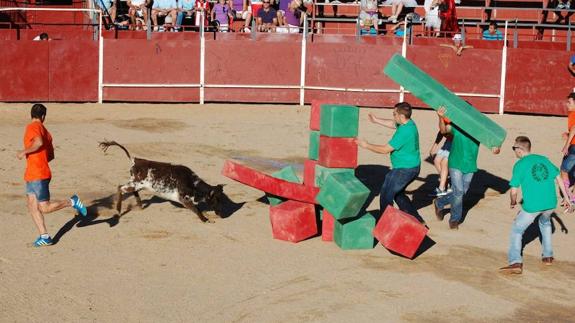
(222, 13)
(397, 7)
(399, 29)
(137, 10)
(561, 5)
(457, 46)
(163, 8)
(202, 6)
(368, 15)
(267, 19)
(42, 36)
(432, 21)
(290, 16)
(241, 10)
(186, 8)
(108, 7)
(492, 33)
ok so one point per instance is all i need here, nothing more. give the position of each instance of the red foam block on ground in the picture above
(337, 152)
(327, 225)
(399, 232)
(269, 184)
(293, 221)
(309, 172)
(315, 115)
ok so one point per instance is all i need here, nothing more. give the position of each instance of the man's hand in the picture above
(512, 205)
(441, 110)
(362, 143)
(496, 150)
(21, 154)
(565, 150)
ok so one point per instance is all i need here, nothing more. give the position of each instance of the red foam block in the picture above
(269, 184)
(399, 232)
(337, 152)
(293, 221)
(309, 172)
(315, 115)
(327, 224)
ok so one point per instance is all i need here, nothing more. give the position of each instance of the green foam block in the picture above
(342, 195)
(339, 120)
(321, 173)
(313, 153)
(287, 173)
(434, 94)
(355, 233)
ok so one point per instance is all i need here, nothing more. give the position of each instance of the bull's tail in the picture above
(104, 145)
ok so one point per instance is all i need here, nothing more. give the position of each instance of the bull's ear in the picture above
(220, 188)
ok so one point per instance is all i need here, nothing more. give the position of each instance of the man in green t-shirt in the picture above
(405, 159)
(536, 176)
(462, 165)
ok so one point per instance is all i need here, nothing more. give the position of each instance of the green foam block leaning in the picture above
(434, 94)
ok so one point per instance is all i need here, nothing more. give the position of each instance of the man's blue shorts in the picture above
(40, 189)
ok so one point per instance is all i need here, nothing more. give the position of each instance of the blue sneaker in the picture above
(78, 205)
(42, 242)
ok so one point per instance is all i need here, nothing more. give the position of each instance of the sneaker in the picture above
(439, 192)
(438, 212)
(454, 225)
(78, 205)
(516, 268)
(42, 242)
(547, 261)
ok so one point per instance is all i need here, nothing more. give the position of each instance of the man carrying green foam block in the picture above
(405, 158)
(434, 94)
(462, 165)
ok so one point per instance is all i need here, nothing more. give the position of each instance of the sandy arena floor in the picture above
(161, 264)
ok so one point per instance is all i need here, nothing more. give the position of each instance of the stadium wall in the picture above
(67, 70)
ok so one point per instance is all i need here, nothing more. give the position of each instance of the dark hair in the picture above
(493, 23)
(38, 111)
(43, 36)
(571, 96)
(404, 108)
(524, 141)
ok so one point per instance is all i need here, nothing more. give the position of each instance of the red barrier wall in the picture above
(537, 80)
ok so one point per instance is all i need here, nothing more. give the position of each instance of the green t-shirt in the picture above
(405, 143)
(536, 176)
(464, 151)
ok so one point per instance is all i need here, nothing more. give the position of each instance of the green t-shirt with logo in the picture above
(464, 151)
(536, 176)
(405, 143)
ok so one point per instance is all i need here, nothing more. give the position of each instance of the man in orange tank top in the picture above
(39, 151)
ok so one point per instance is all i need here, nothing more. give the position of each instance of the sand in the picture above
(161, 264)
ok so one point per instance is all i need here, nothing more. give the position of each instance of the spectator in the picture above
(457, 46)
(240, 10)
(448, 16)
(561, 5)
(368, 15)
(492, 33)
(290, 16)
(42, 36)
(432, 21)
(202, 6)
(186, 8)
(164, 8)
(222, 13)
(108, 7)
(267, 18)
(138, 9)
(399, 29)
(397, 7)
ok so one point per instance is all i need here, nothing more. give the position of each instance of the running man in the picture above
(462, 165)
(536, 176)
(39, 151)
(405, 159)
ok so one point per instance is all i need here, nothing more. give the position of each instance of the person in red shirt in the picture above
(39, 151)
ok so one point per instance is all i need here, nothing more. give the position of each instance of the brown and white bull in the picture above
(175, 183)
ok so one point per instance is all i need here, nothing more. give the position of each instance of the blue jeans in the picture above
(459, 184)
(521, 223)
(569, 161)
(39, 188)
(393, 188)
